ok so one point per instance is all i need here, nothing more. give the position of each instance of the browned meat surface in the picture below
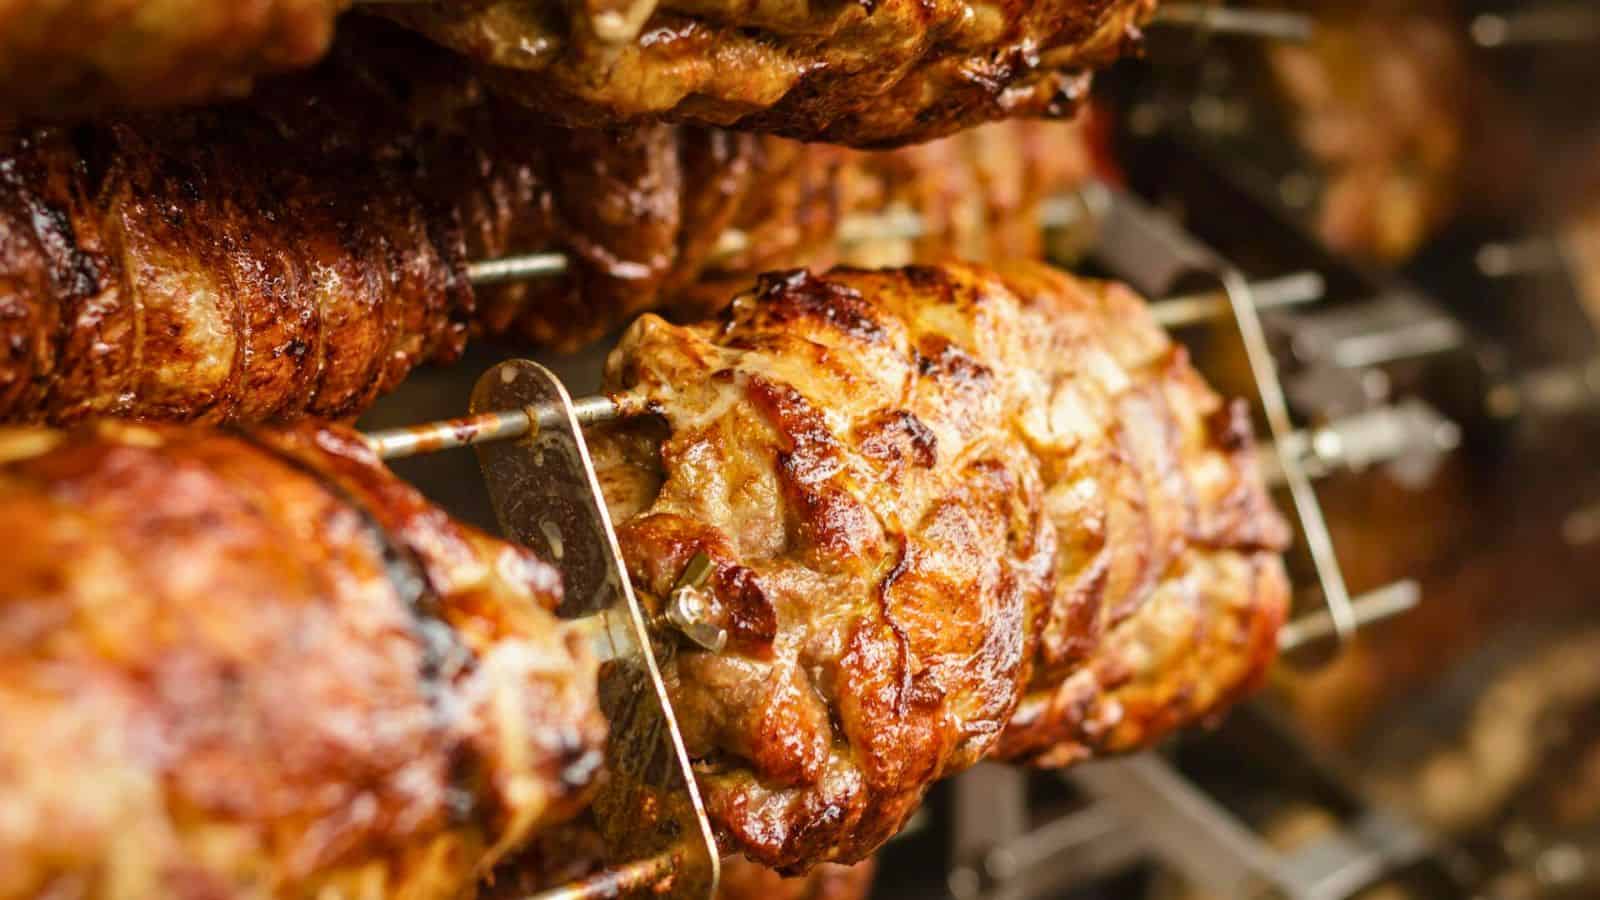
(259, 666)
(302, 252)
(83, 57)
(864, 74)
(952, 514)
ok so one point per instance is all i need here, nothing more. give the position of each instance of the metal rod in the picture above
(1273, 293)
(616, 882)
(1511, 259)
(1275, 406)
(484, 428)
(1369, 608)
(1276, 25)
(504, 425)
(895, 223)
(1563, 23)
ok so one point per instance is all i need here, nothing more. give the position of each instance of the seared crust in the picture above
(86, 57)
(928, 493)
(869, 74)
(261, 667)
(301, 253)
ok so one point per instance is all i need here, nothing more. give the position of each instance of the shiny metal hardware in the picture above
(547, 497)
(1386, 329)
(1536, 25)
(1411, 437)
(1154, 255)
(688, 607)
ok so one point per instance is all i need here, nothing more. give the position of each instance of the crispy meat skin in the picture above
(85, 57)
(864, 74)
(952, 514)
(300, 253)
(262, 667)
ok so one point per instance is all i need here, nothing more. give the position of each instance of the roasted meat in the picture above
(88, 56)
(259, 666)
(301, 252)
(863, 74)
(951, 515)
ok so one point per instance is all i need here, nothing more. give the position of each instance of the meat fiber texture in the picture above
(952, 514)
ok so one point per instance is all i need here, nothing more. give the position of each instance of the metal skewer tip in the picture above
(1569, 23)
(484, 428)
(1276, 25)
(1369, 608)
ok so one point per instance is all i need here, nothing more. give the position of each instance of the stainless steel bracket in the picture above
(546, 496)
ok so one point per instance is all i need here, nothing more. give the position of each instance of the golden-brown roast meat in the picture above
(259, 666)
(951, 514)
(300, 253)
(880, 73)
(85, 57)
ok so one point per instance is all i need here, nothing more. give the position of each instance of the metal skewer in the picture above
(1512, 259)
(898, 223)
(501, 425)
(1556, 23)
(1267, 24)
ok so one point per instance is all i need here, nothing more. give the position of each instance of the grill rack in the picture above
(528, 434)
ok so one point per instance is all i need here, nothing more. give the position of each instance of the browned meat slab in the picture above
(875, 73)
(84, 57)
(952, 514)
(261, 667)
(300, 253)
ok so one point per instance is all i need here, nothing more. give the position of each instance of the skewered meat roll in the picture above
(875, 74)
(300, 253)
(88, 56)
(951, 515)
(258, 666)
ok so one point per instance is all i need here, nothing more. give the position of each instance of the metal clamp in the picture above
(547, 497)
